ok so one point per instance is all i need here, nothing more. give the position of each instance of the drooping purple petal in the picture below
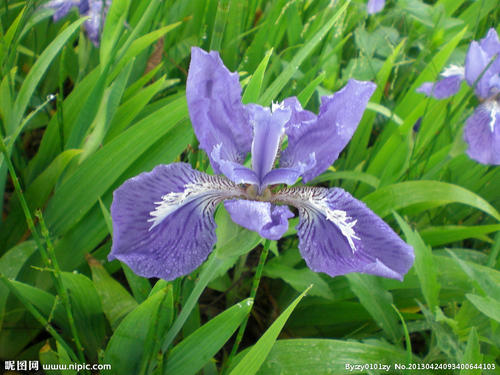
(268, 220)
(268, 131)
(163, 223)
(375, 6)
(217, 114)
(482, 133)
(443, 88)
(338, 234)
(324, 138)
(482, 64)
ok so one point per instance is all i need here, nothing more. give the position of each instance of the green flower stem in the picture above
(48, 255)
(61, 289)
(253, 293)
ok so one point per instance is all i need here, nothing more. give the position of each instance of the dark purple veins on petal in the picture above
(163, 223)
(338, 234)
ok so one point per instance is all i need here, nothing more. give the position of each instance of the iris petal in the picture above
(236, 172)
(375, 6)
(217, 114)
(482, 133)
(443, 88)
(328, 134)
(163, 223)
(338, 234)
(95, 23)
(61, 7)
(482, 64)
(268, 129)
(268, 220)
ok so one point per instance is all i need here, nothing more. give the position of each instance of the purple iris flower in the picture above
(481, 72)
(375, 6)
(96, 10)
(163, 220)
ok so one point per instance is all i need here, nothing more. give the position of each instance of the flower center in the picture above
(252, 192)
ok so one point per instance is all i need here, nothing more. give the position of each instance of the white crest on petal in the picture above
(453, 70)
(276, 106)
(316, 199)
(213, 188)
(494, 109)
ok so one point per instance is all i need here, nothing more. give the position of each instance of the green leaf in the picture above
(377, 301)
(115, 22)
(256, 356)
(487, 305)
(73, 199)
(87, 311)
(106, 112)
(132, 107)
(308, 91)
(192, 353)
(36, 74)
(7, 40)
(322, 356)
(85, 305)
(137, 337)
(348, 175)
(254, 87)
(116, 300)
(279, 83)
(140, 44)
(433, 193)
(472, 354)
(435, 236)
(424, 264)
(36, 194)
(140, 286)
(10, 265)
(299, 279)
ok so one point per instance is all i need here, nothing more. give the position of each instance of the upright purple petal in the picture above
(95, 22)
(482, 133)
(268, 220)
(375, 6)
(298, 116)
(163, 223)
(322, 139)
(268, 131)
(83, 6)
(490, 44)
(443, 88)
(482, 64)
(217, 114)
(61, 7)
(338, 234)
